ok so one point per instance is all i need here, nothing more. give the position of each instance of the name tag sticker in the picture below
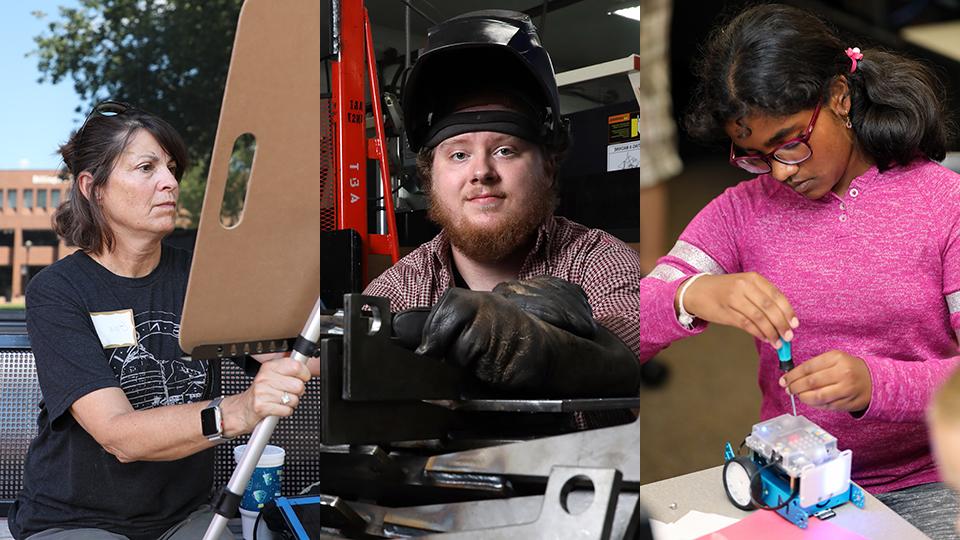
(115, 328)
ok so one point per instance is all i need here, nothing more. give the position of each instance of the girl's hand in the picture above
(833, 380)
(747, 301)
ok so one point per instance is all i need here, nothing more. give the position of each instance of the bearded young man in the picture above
(532, 303)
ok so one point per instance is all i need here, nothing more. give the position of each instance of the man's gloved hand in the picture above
(408, 326)
(513, 350)
(486, 332)
(553, 300)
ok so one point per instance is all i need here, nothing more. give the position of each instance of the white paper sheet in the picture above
(693, 524)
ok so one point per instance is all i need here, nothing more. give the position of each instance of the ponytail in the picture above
(896, 108)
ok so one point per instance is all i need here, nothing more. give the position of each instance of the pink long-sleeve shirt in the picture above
(874, 272)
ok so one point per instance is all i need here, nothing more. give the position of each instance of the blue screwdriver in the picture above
(786, 364)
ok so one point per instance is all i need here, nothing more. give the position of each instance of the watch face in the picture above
(209, 421)
(736, 480)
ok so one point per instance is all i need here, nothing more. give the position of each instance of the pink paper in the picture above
(766, 524)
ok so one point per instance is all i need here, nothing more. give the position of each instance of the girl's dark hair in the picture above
(778, 60)
(95, 148)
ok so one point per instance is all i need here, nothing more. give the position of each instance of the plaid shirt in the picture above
(606, 268)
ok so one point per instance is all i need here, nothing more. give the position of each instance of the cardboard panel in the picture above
(260, 279)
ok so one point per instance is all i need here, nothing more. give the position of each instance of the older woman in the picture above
(121, 450)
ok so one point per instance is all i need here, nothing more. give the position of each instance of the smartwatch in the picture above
(211, 421)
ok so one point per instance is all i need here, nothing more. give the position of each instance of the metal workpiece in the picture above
(579, 503)
(558, 517)
(345, 421)
(617, 446)
(379, 370)
(539, 405)
(370, 473)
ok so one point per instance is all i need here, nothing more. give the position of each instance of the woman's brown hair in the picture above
(94, 148)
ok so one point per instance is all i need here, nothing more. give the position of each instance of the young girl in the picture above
(846, 244)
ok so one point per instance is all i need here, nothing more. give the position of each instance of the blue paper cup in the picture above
(264, 485)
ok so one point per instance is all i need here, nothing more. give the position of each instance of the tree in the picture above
(169, 57)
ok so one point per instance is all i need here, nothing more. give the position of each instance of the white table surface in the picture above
(668, 501)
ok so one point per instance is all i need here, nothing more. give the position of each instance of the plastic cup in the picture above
(248, 518)
(264, 485)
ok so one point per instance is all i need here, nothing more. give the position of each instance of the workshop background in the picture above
(710, 394)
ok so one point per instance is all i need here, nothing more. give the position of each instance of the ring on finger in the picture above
(285, 398)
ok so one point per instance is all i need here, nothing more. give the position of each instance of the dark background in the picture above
(580, 32)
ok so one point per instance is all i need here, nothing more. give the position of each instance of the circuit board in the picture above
(795, 441)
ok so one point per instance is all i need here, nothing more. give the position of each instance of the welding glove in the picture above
(512, 350)
(408, 326)
(553, 300)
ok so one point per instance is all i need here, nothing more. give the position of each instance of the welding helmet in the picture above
(487, 52)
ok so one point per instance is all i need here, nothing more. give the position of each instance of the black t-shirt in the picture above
(70, 481)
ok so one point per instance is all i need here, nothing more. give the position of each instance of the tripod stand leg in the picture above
(228, 500)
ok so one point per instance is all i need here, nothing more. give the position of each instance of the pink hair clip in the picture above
(854, 54)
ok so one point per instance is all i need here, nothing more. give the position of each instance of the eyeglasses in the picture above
(104, 108)
(791, 152)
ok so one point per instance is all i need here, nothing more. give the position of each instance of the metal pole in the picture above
(422, 14)
(261, 434)
(335, 10)
(543, 20)
(406, 36)
(382, 227)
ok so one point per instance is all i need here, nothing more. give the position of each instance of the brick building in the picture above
(28, 199)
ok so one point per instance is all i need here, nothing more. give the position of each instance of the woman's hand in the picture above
(746, 300)
(833, 380)
(275, 391)
(313, 364)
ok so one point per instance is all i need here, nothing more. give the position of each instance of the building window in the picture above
(42, 199)
(12, 199)
(55, 198)
(1, 199)
(28, 198)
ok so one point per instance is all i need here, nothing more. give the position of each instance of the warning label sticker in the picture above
(623, 127)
